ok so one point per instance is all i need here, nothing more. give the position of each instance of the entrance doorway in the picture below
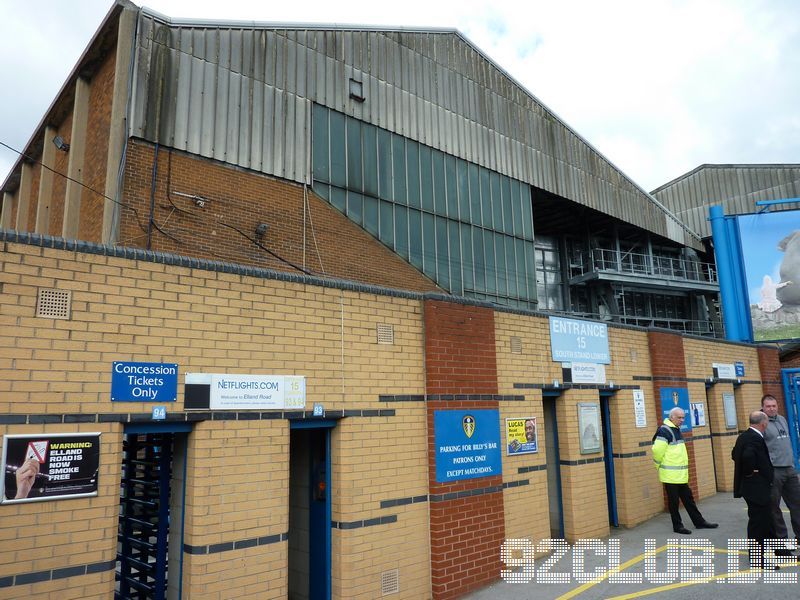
(608, 457)
(151, 508)
(310, 510)
(553, 464)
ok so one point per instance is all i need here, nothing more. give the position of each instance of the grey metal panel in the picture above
(257, 126)
(194, 121)
(208, 110)
(244, 126)
(268, 135)
(221, 120)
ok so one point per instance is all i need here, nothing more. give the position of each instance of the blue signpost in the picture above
(144, 382)
(467, 444)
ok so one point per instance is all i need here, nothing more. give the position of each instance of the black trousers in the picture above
(682, 491)
(760, 527)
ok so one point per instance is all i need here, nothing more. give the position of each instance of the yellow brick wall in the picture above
(216, 322)
(41, 536)
(713, 457)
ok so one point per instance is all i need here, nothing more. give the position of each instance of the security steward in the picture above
(672, 461)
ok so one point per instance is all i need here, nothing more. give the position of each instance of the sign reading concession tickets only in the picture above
(48, 466)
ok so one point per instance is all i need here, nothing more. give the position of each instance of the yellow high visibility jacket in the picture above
(670, 455)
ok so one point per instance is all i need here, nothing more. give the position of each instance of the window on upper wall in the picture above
(466, 227)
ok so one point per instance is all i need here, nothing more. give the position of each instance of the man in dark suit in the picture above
(752, 480)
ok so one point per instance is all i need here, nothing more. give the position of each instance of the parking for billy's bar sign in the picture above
(49, 466)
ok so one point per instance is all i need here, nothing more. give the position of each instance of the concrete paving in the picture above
(671, 556)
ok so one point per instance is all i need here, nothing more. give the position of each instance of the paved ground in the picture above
(671, 553)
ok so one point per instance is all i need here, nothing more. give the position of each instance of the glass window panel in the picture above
(319, 156)
(426, 179)
(527, 216)
(399, 172)
(463, 190)
(522, 276)
(339, 198)
(456, 284)
(355, 207)
(516, 208)
(354, 180)
(497, 202)
(439, 198)
(387, 223)
(474, 196)
(508, 218)
(511, 267)
(338, 149)
(412, 166)
(500, 257)
(490, 262)
(415, 237)
(530, 267)
(486, 199)
(442, 254)
(385, 188)
(369, 158)
(429, 245)
(401, 230)
(322, 190)
(371, 215)
(452, 186)
(478, 259)
(467, 264)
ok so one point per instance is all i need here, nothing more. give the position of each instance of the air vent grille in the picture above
(385, 333)
(53, 304)
(390, 582)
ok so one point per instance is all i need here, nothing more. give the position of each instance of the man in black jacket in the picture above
(752, 480)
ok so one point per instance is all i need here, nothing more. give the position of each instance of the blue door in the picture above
(310, 485)
(608, 459)
(791, 392)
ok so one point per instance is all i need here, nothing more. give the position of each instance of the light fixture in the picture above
(61, 144)
(261, 230)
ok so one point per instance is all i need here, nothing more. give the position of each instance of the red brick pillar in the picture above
(668, 365)
(769, 364)
(467, 519)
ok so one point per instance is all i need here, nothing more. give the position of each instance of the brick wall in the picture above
(96, 157)
(60, 165)
(244, 199)
(667, 360)
(769, 366)
(236, 478)
(466, 533)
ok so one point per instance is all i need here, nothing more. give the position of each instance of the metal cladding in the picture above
(736, 187)
(242, 93)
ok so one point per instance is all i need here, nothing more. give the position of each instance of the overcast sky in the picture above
(659, 87)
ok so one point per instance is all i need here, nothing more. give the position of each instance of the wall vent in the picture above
(390, 582)
(385, 333)
(53, 304)
(516, 345)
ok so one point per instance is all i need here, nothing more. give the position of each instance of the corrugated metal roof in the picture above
(736, 187)
(241, 92)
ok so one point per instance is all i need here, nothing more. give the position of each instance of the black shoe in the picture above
(707, 525)
(682, 530)
(784, 552)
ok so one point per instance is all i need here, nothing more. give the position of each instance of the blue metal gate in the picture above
(791, 392)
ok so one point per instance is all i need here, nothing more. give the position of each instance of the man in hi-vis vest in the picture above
(672, 462)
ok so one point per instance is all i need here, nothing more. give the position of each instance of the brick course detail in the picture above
(466, 533)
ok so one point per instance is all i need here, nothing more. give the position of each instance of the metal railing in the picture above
(666, 267)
